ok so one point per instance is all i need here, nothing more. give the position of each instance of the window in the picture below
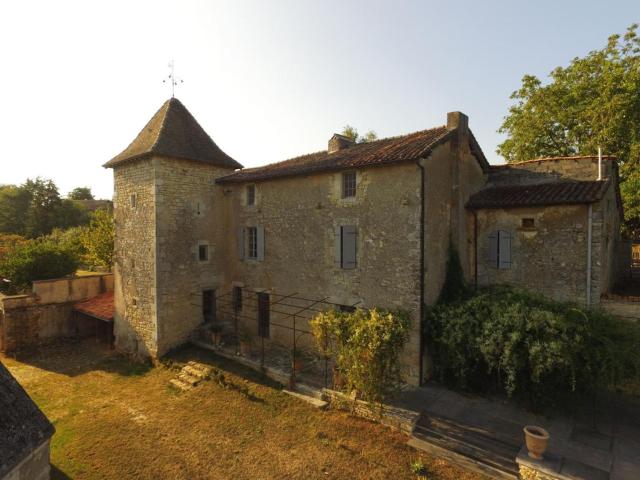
(237, 299)
(198, 208)
(347, 308)
(528, 223)
(203, 252)
(346, 246)
(134, 200)
(500, 249)
(251, 195)
(348, 184)
(252, 234)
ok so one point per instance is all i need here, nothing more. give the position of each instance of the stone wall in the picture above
(135, 257)
(36, 466)
(188, 214)
(46, 314)
(550, 258)
(543, 171)
(300, 217)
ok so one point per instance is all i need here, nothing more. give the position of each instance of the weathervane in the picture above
(172, 79)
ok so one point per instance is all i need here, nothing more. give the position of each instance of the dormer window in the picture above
(251, 195)
(349, 185)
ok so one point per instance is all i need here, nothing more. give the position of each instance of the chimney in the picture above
(458, 120)
(339, 142)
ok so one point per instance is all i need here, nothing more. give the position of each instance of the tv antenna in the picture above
(171, 78)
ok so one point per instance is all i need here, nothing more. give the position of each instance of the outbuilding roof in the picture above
(553, 193)
(23, 427)
(100, 306)
(386, 151)
(174, 132)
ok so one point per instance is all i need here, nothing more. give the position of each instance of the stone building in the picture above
(357, 224)
(25, 433)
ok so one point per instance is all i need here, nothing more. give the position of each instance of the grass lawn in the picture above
(116, 419)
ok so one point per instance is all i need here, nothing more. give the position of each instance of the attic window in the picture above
(203, 252)
(251, 195)
(348, 184)
(528, 223)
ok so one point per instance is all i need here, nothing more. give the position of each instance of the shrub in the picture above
(35, 260)
(366, 346)
(530, 347)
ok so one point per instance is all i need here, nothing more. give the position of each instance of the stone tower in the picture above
(169, 243)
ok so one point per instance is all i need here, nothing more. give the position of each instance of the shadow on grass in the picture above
(57, 474)
(74, 357)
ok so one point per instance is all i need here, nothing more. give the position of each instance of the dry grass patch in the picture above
(116, 419)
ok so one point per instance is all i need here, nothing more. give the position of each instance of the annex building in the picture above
(357, 224)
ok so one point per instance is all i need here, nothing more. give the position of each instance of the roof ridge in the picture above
(560, 157)
(163, 123)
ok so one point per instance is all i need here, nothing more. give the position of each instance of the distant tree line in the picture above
(36, 208)
(43, 235)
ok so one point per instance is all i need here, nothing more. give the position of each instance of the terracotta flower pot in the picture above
(536, 439)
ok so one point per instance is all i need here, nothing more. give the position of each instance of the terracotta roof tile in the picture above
(173, 132)
(100, 306)
(379, 152)
(555, 193)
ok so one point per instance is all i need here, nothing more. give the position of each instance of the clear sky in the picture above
(269, 80)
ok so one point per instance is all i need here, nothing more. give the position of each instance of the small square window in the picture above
(203, 253)
(134, 302)
(252, 233)
(528, 223)
(251, 195)
(134, 200)
(348, 184)
(347, 308)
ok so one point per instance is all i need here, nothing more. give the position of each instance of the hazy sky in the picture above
(268, 80)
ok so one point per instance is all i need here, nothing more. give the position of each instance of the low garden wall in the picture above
(47, 312)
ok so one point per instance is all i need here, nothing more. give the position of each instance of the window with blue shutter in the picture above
(500, 249)
(348, 246)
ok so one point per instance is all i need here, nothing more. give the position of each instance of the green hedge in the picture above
(35, 260)
(532, 348)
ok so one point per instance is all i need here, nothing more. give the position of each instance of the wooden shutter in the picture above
(337, 246)
(240, 243)
(260, 243)
(349, 245)
(493, 249)
(504, 249)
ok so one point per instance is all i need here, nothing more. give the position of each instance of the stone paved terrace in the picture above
(586, 446)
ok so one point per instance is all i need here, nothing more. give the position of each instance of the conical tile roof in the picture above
(173, 132)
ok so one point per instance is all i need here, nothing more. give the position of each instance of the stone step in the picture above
(189, 379)
(197, 372)
(179, 384)
(311, 400)
(199, 366)
(466, 445)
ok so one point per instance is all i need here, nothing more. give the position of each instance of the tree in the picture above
(81, 193)
(593, 102)
(14, 203)
(35, 260)
(352, 133)
(98, 238)
(45, 199)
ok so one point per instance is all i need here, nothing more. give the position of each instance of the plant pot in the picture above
(537, 439)
(245, 348)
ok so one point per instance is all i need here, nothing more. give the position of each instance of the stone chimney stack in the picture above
(339, 142)
(458, 120)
